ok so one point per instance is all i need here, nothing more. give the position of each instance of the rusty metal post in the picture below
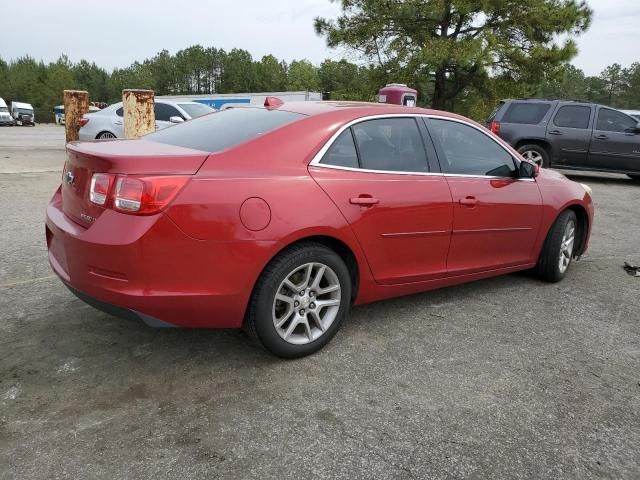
(76, 104)
(139, 116)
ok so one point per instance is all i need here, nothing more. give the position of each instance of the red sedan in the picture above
(278, 219)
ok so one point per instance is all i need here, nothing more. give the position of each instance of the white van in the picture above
(22, 113)
(5, 116)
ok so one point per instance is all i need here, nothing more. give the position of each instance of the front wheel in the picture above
(558, 249)
(300, 301)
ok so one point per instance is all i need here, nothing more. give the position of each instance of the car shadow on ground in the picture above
(118, 342)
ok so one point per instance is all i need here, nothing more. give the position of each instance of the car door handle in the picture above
(602, 137)
(555, 132)
(469, 201)
(364, 201)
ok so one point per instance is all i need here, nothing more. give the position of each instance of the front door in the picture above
(399, 210)
(615, 144)
(496, 216)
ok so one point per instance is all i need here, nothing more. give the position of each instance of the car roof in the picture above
(357, 109)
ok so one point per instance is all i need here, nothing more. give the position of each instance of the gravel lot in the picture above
(503, 378)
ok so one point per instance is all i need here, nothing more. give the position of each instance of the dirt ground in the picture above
(502, 378)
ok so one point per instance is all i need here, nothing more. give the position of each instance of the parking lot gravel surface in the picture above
(502, 378)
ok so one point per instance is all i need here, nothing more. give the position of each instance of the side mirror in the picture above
(176, 119)
(528, 170)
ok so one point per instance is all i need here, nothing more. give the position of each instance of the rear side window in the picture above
(573, 116)
(225, 129)
(391, 144)
(526, 113)
(342, 152)
(468, 151)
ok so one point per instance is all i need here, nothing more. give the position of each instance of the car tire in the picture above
(286, 320)
(559, 248)
(535, 153)
(105, 136)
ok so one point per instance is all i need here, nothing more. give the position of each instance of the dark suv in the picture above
(571, 134)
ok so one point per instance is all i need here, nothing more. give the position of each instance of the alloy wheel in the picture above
(306, 303)
(106, 136)
(533, 156)
(566, 246)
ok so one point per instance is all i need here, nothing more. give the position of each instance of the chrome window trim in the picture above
(315, 162)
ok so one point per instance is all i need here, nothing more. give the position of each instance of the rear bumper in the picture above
(117, 311)
(147, 268)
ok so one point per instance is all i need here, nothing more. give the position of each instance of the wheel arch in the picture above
(583, 226)
(344, 251)
(534, 141)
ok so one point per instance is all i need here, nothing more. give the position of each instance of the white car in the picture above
(108, 123)
(634, 113)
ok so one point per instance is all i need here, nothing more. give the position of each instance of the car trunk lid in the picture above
(124, 157)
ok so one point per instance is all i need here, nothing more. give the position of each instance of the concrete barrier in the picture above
(76, 104)
(139, 116)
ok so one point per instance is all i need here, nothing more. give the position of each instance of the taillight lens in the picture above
(495, 127)
(84, 121)
(100, 186)
(135, 195)
(128, 196)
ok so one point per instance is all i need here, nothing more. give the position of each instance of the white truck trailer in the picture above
(220, 101)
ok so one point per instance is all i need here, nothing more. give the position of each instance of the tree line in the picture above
(199, 70)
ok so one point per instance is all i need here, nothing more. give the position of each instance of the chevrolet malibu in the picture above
(279, 219)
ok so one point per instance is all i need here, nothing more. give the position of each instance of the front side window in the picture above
(573, 116)
(164, 112)
(613, 121)
(468, 151)
(342, 152)
(390, 144)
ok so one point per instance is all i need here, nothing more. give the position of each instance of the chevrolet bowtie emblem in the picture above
(69, 177)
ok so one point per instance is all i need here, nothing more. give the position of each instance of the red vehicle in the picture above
(279, 219)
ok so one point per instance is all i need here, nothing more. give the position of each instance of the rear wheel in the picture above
(559, 248)
(300, 301)
(105, 136)
(535, 153)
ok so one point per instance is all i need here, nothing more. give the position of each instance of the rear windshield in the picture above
(527, 113)
(225, 129)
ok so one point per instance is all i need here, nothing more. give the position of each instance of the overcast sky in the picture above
(118, 32)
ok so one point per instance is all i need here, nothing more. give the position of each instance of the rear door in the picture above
(378, 173)
(569, 134)
(496, 216)
(615, 145)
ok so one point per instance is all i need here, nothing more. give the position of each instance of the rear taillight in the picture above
(495, 127)
(100, 187)
(135, 195)
(84, 121)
